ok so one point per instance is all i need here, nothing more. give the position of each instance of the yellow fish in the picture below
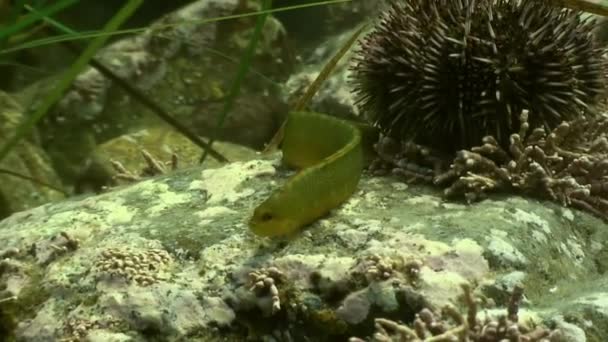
(328, 151)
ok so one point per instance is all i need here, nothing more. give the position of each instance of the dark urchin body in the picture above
(445, 73)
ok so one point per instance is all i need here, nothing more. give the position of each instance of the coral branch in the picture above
(568, 165)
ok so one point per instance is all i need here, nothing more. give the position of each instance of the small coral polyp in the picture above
(142, 267)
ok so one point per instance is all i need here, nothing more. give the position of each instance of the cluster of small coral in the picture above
(451, 325)
(568, 164)
(361, 293)
(263, 282)
(141, 267)
(332, 296)
(78, 329)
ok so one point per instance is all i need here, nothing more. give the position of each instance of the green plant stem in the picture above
(241, 73)
(35, 17)
(121, 16)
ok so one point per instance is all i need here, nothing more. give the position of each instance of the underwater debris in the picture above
(568, 165)
(264, 282)
(142, 267)
(451, 325)
(153, 168)
(447, 73)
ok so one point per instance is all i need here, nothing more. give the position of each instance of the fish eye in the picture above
(266, 216)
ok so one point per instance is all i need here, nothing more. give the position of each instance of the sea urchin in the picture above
(446, 73)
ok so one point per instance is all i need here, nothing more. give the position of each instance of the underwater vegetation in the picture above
(447, 73)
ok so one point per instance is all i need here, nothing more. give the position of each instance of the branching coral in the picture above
(451, 325)
(376, 267)
(264, 282)
(568, 164)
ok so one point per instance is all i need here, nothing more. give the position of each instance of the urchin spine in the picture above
(449, 72)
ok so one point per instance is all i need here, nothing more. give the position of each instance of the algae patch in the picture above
(223, 184)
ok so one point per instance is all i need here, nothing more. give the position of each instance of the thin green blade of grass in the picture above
(95, 34)
(12, 18)
(241, 72)
(13, 15)
(52, 21)
(32, 18)
(234, 60)
(113, 24)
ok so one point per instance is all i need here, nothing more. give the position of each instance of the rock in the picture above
(334, 96)
(328, 19)
(99, 335)
(253, 121)
(355, 308)
(26, 159)
(176, 63)
(161, 142)
(185, 234)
